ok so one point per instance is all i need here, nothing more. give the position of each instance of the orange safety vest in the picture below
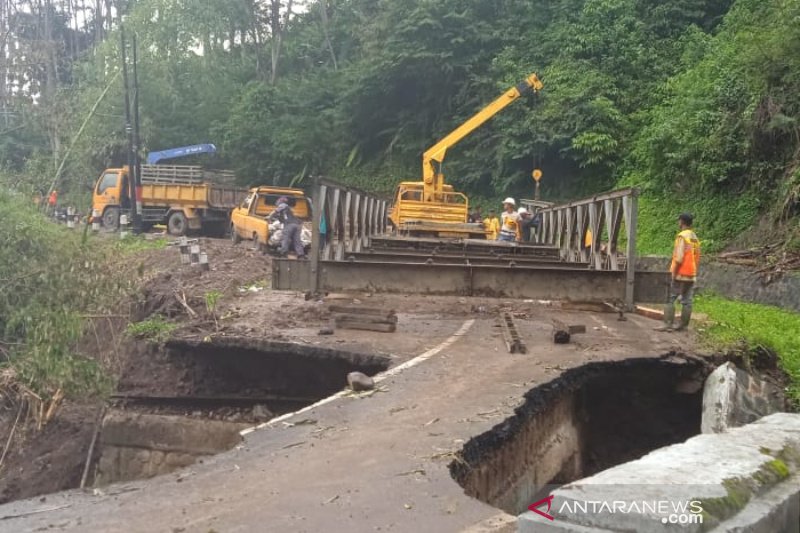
(691, 255)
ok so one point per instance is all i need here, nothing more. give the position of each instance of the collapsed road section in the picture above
(590, 418)
(223, 386)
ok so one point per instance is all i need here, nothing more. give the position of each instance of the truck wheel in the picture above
(235, 239)
(111, 218)
(176, 224)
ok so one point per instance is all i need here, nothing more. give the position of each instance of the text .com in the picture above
(667, 511)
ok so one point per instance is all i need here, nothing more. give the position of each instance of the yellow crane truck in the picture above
(184, 197)
(430, 208)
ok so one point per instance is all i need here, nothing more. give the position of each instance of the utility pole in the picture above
(137, 218)
(537, 177)
(129, 131)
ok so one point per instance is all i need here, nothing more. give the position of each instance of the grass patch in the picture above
(138, 243)
(155, 329)
(777, 330)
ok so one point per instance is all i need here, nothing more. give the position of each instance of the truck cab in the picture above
(111, 192)
(443, 215)
(249, 220)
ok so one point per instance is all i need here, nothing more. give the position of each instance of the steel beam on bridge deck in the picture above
(465, 246)
(541, 282)
(388, 256)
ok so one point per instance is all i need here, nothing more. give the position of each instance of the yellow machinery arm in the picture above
(432, 177)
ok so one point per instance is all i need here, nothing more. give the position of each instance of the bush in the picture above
(155, 329)
(49, 279)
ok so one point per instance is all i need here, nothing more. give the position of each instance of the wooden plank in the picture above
(368, 326)
(360, 310)
(385, 319)
(649, 312)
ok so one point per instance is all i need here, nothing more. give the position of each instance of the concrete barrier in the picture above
(743, 480)
(136, 445)
(733, 398)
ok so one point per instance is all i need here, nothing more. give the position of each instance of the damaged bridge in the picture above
(581, 251)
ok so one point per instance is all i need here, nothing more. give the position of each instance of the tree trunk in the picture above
(323, 8)
(278, 26)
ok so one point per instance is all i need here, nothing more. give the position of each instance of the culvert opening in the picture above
(589, 419)
(201, 394)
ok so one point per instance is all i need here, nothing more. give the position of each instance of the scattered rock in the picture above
(360, 382)
(325, 331)
(260, 412)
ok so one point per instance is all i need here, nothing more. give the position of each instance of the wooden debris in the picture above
(182, 300)
(368, 326)
(649, 312)
(562, 333)
(376, 319)
(364, 318)
(35, 511)
(360, 310)
(513, 341)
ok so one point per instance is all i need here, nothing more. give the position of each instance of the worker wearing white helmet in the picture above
(509, 222)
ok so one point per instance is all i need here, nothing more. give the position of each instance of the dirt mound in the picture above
(167, 280)
(48, 461)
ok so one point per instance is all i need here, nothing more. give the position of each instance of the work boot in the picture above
(686, 317)
(669, 318)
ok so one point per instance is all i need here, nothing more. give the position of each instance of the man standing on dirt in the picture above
(685, 260)
(292, 228)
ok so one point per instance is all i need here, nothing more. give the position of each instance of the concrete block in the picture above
(746, 479)
(733, 398)
(168, 433)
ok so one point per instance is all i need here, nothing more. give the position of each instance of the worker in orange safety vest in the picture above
(685, 260)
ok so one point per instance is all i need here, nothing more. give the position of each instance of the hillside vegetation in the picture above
(49, 280)
(695, 101)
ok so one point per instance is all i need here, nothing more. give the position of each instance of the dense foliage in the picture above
(47, 280)
(695, 101)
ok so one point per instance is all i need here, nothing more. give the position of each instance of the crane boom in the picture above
(432, 177)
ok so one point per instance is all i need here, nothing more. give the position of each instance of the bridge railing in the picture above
(351, 218)
(600, 231)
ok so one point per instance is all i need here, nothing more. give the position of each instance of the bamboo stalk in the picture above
(11, 436)
(79, 133)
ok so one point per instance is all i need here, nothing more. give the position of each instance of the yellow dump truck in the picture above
(429, 208)
(249, 220)
(185, 198)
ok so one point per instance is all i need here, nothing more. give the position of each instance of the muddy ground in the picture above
(50, 460)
